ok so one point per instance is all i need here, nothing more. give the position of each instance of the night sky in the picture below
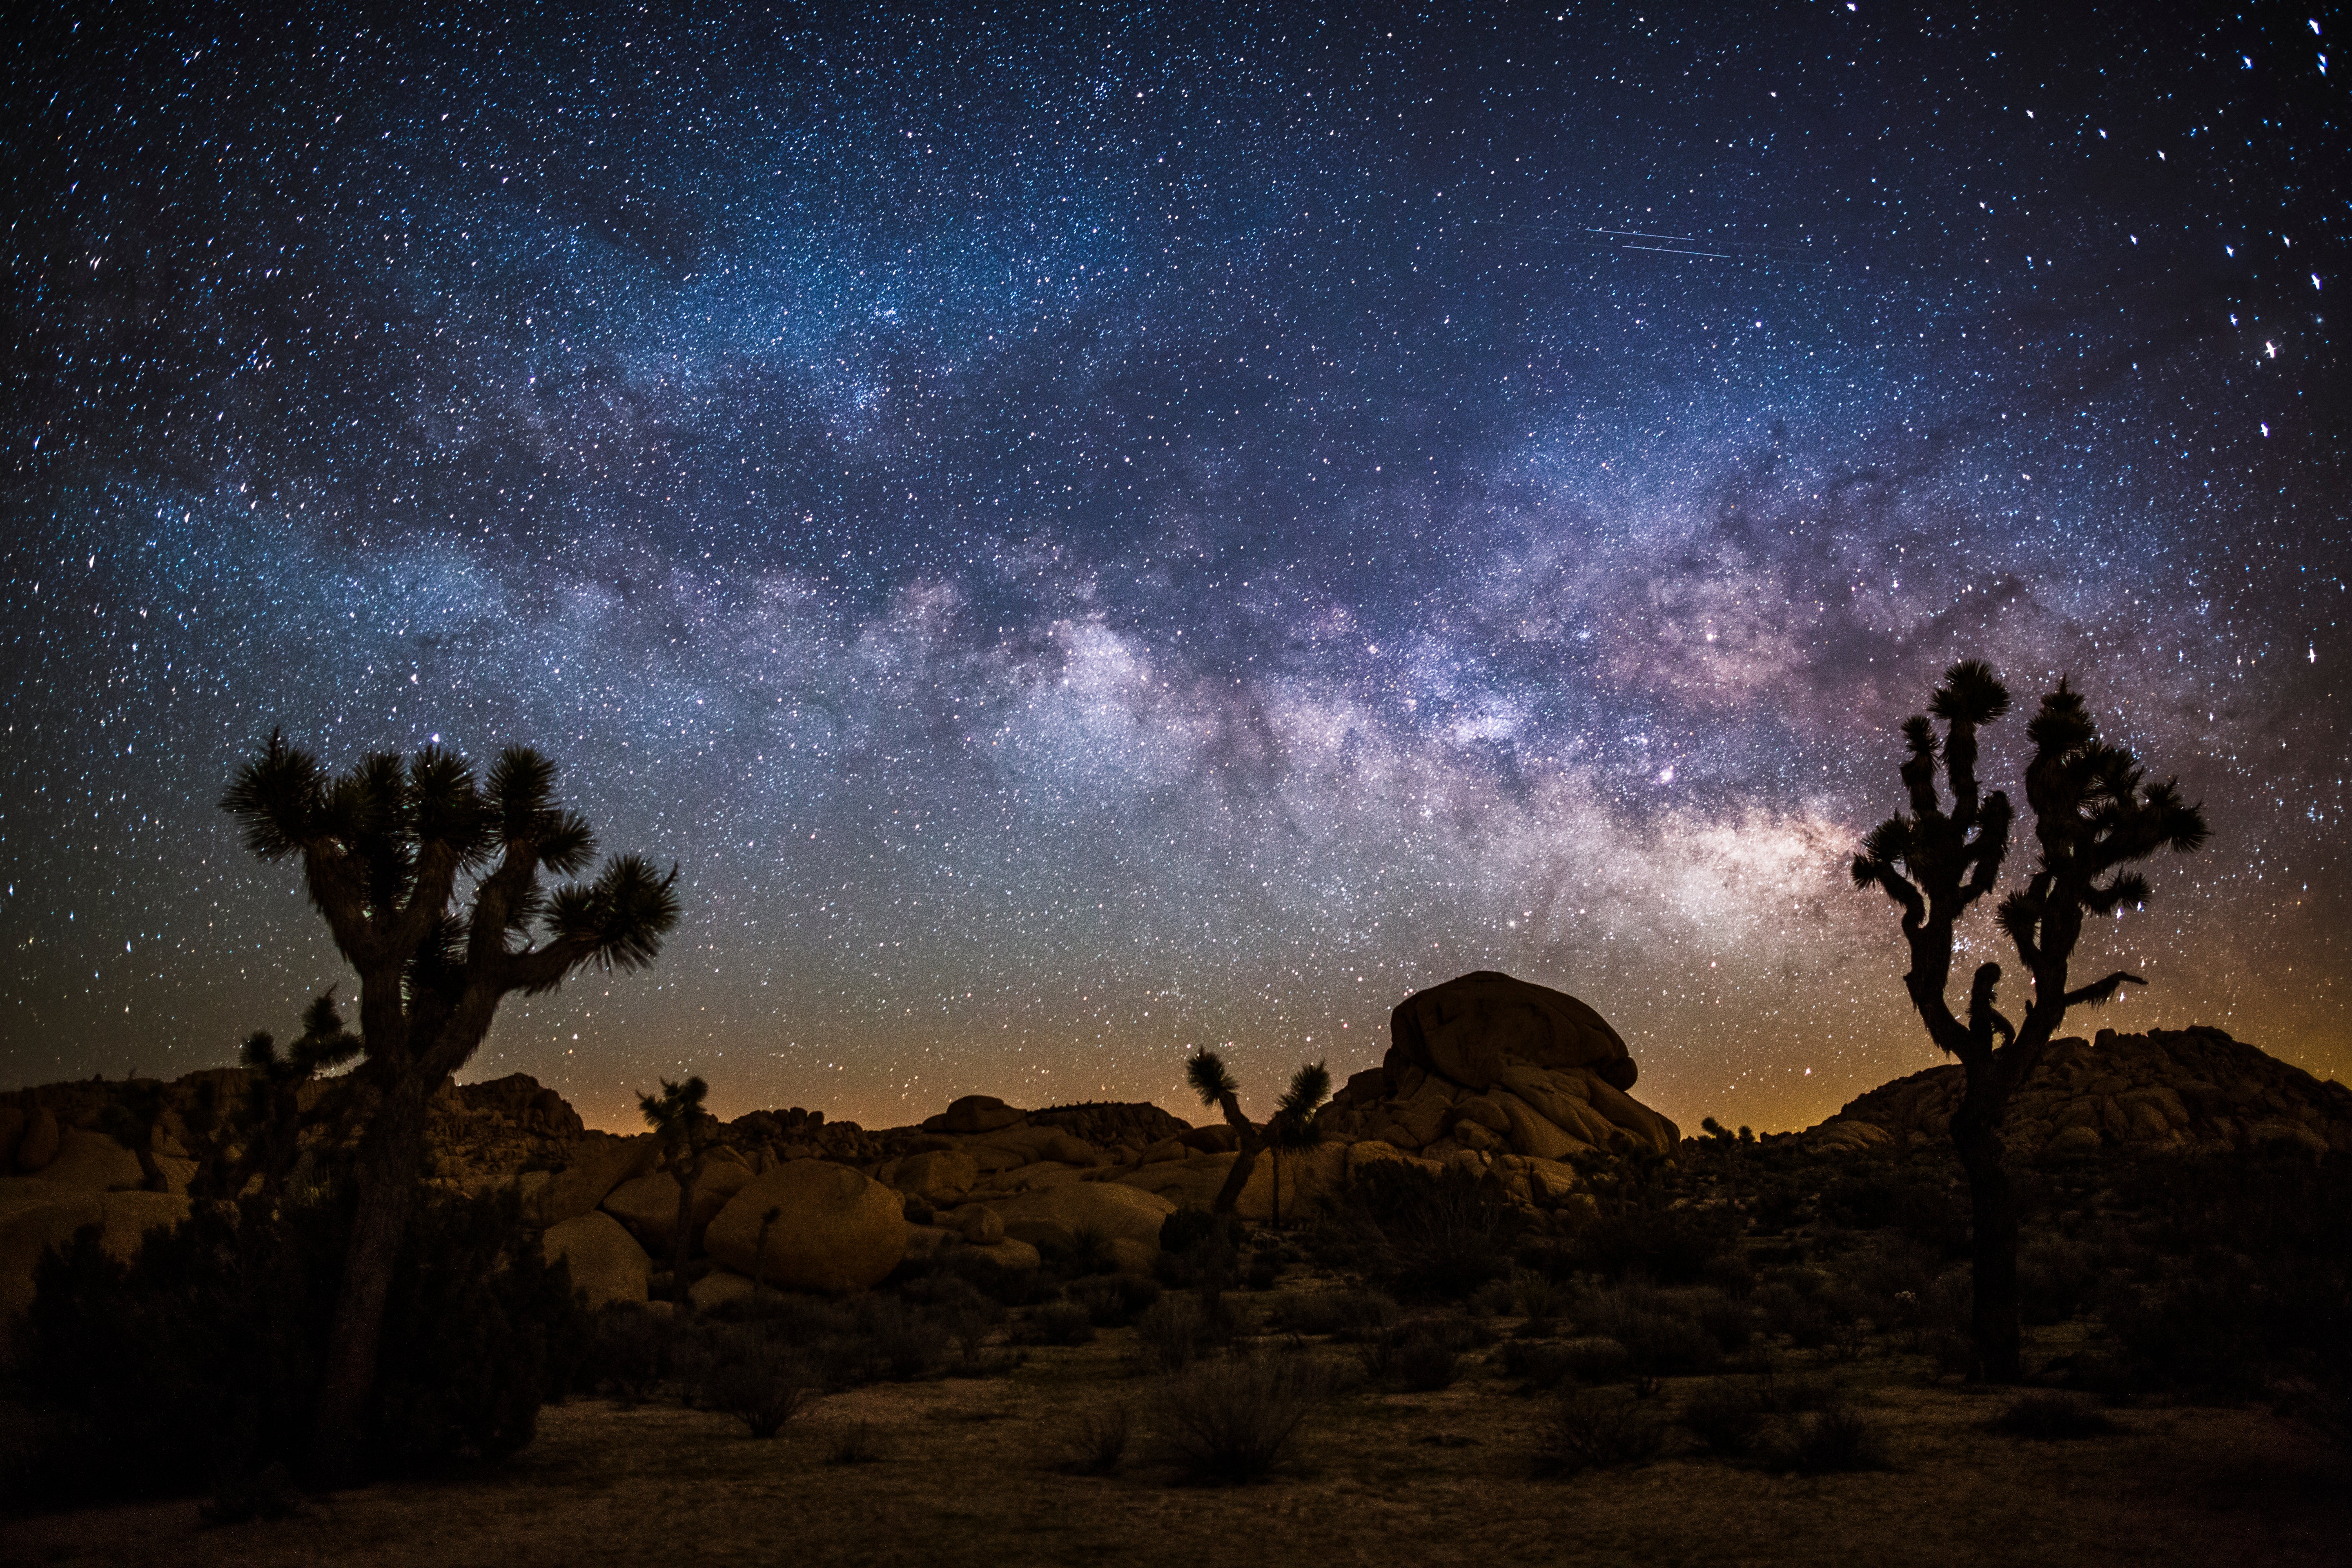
(1087, 538)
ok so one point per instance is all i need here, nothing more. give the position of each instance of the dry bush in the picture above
(763, 1388)
(1097, 1443)
(1835, 1440)
(1231, 1421)
(1595, 1430)
(1725, 1417)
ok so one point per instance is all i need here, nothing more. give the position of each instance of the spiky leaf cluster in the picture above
(383, 847)
(1935, 861)
(2096, 816)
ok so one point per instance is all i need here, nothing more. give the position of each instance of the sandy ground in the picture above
(965, 1474)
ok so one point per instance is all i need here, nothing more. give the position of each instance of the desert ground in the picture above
(978, 1470)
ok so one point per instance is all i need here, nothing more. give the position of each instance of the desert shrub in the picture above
(1835, 1440)
(627, 1355)
(1919, 1204)
(197, 1364)
(1725, 1416)
(1428, 1236)
(1060, 1323)
(894, 1343)
(1659, 1336)
(1233, 1420)
(1087, 1252)
(1174, 1332)
(1541, 1367)
(1096, 1442)
(1540, 1296)
(1665, 1246)
(1113, 1301)
(2052, 1417)
(1596, 1430)
(761, 1386)
(1596, 1359)
(1412, 1359)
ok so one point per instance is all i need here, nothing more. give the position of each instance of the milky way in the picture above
(1085, 539)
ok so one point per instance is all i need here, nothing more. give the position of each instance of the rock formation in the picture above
(2193, 1090)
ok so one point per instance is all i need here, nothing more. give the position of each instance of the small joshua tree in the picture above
(2094, 815)
(686, 1134)
(1295, 1125)
(274, 1120)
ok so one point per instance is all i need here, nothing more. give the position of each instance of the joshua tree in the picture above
(273, 1121)
(1215, 1084)
(686, 1134)
(2094, 814)
(1297, 1124)
(383, 848)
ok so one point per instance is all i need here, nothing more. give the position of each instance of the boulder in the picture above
(38, 1143)
(600, 1162)
(12, 1127)
(941, 1178)
(647, 1205)
(90, 1162)
(1129, 1256)
(836, 1230)
(2066, 1143)
(1009, 1254)
(1464, 1028)
(606, 1262)
(974, 1114)
(982, 1225)
(1422, 1117)
(1107, 1209)
(718, 1289)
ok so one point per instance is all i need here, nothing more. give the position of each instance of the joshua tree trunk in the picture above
(687, 1180)
(1992, 1244)
(386, 1179)
(1229, 1197)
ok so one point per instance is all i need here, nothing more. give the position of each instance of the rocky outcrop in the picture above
(1465, 1029)
(2193, 1090)
(1496, 1066)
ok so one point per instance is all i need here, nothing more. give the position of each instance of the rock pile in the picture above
(2193, 1090)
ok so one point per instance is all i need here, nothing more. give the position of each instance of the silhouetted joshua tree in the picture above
(1297, 1126)
(2094, 814)
(383, 848)
(269, 1130)
(686, 1134)
(1215, 1084)
(1295, 1119)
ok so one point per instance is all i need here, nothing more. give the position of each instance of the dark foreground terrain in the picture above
(1750, 1355)
(966, 1471)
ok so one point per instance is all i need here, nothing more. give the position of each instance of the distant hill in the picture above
(2192, 1090)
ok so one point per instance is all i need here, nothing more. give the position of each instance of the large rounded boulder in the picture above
(1465, 1029)
(606, 1262)
(835, 1230)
